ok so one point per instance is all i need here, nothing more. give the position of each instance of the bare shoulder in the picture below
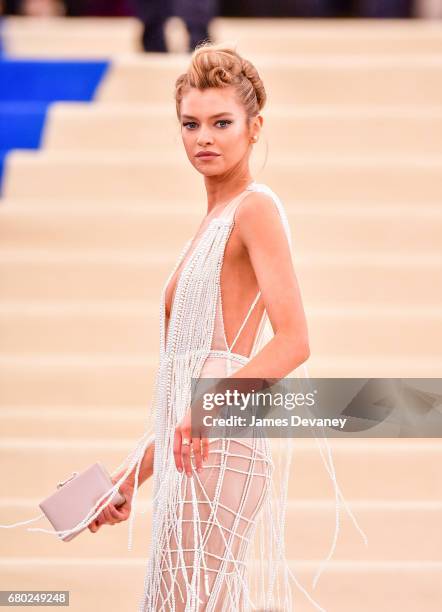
(258, 218)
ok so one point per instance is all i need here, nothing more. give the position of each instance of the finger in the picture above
(177, 450)
(107, 515)
(196, 442)
(185, 453)
(205, 446)
(116, 513)
(111, 512)
(124, 513)
(97, 520)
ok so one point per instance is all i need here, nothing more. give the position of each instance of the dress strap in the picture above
(229, 210)
(245, 320)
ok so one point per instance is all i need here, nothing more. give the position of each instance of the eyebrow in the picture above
(212, 117)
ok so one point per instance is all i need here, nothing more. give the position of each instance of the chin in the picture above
(207, 171)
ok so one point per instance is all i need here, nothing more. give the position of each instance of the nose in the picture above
(204, 137)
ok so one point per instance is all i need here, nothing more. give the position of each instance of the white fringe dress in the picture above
(218, 537)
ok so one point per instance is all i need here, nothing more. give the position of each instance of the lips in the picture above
(207, 154)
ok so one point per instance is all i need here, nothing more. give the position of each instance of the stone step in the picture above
(372, 279)
(83, 127)
(103, 37)
(65, 329)
(309, 526)
(88, 37)
(323, 78)
(83, 421)
(134, 176)
(344, 586)
(315, 227)
(304, 36)
(83, 380)
(409, 466)
(74, 421)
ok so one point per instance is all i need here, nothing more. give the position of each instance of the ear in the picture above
(258, 122)
(255, 126)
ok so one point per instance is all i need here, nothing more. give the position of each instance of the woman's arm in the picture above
(112, 515)
(146, 468)
(263, 235)
(261, 231)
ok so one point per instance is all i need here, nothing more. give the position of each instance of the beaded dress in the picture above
(218, 538)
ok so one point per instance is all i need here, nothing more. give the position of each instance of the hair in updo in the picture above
(218, 65)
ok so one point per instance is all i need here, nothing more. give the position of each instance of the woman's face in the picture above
(213, 120)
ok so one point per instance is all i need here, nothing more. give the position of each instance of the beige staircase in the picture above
(353, 133)
(77, 37)
(101, 37)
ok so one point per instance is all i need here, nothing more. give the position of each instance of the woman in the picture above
(212, 518)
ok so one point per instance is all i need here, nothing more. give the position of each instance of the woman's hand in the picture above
(111, 515)
(181, 452)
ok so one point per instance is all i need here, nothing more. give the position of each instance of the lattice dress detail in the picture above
(218, 538)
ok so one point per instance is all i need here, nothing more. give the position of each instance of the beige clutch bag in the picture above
(80, 496)
(76, 497)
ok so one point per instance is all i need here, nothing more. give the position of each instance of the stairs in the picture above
(28, 87)
(353, 129)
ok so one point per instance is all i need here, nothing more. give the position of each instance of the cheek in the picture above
(235, 142)
(188, 141)
(233, 138)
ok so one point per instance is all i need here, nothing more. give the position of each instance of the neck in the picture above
(220, 191)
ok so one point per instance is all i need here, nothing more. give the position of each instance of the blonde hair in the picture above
(219, 65)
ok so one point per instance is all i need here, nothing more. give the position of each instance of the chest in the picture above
(236, 269)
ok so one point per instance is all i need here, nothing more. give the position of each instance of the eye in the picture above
(219, 121)
(224, 121)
